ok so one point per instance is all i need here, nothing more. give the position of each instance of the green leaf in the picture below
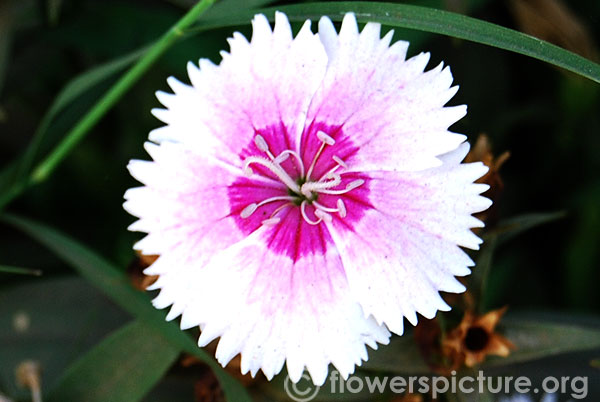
(478, 280)
(6, 34)
(509, 228)
(74, 89)
(538, 339)
(19, 270)
(401, 356)
(228, 7)
(504, 231)
(53, 321)
(122, 368)
(430, 20)
(116, 286)
(101, 107)
(53, 10)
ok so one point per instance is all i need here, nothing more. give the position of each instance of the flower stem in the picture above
(114, 94)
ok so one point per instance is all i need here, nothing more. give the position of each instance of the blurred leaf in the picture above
(12, 177)
(535, 340)
(19, 270)
(73, 90)
(430, 20)
(122, 368)
(401, 356)
(479, 278)
(52, 321)
(83, 82)
(509, 228)
(225, 8)
(7, 22)
(53, 10)
(116, 285)
(7, 175)
(101, 107)
(505, 230)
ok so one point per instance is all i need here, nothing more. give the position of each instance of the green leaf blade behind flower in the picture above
(401, 356)
(9, 269)
(535, 339)
(504, 231)
(113, 282)
(121, 368)
(429, 20)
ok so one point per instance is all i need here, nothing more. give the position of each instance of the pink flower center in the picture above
(295, 188)
(305, 190)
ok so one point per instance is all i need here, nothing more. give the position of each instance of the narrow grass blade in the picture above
(19, 270)
(430, 20)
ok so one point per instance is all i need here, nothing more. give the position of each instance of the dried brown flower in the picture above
(475, 338)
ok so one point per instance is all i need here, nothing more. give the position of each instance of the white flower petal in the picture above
(404, 251)
(267, 81)
(270, 310)
(389, 107)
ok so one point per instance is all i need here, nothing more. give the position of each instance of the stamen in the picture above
(312, 186)
(351, 186)
(323, 215)
(325, 138)
(282, 157)
(354, 184)
(298, 159)
(271, 221)
(323, 207)
(248, 171)
(308, 189)
(249, 210)
(280, 208)
(341, 208)
(339, 161)
(306, 218)
(275, 169)
(261, 144)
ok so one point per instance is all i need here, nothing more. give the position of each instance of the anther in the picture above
(261, 144)
(323, 215)
(349, 187)
(281, 158)
(249, 210)
(271, 221)
(341, 208)
(354, 184)
(339, 161)
(325, 138)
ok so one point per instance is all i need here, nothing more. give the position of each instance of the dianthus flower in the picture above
(305, 196)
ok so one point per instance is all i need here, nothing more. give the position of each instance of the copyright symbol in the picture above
(307, 392)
